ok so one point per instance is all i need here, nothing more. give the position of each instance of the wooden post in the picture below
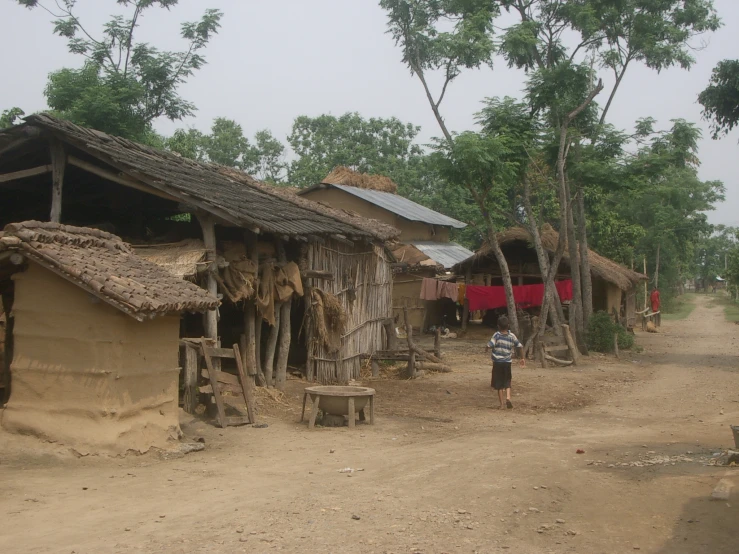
(437, 343)
(258, 324)
(466, 305)
(247, 385)
(543, 355)
(269, 355)
(574, 352)
(58, 163)
(314, 411)
(615, 345)
(352, 413)
(375, 368)
(646, 292)
(210, 321)
(391, 338)
(309, 362)
(191, 379)
(411, 350)
(283, 349)
(249, 349)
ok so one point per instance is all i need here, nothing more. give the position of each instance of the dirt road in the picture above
(442, 471)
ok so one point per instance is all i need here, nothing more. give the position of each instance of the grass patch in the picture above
(680, 307)
(731, 308)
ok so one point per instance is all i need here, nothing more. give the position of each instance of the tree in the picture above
(124, 85)
(10, 117)
(720, 99)
(226, 145)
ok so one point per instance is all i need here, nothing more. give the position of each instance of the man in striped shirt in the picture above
(503, 342)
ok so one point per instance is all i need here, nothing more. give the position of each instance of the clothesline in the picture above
(433, 289)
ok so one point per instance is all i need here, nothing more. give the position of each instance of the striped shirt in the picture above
(503, 345)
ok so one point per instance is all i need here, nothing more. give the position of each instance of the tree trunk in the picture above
(576, 322)
(656, 270)
(587, 278)
(507, 282)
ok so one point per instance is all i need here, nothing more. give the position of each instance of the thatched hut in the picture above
(95, 339)
(614, 286)
(267, 253)
(424, 248)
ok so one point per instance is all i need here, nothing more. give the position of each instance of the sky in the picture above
(274, 60)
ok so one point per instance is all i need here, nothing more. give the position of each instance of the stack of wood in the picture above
(418, 359)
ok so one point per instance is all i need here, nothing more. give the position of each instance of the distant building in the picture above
(424, 248)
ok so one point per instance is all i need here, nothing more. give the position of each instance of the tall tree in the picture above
(10, 117)
(124, 85)
(720, 99)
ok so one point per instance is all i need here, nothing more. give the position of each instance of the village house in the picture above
(301, 285)
(424, 248)
(614, 286)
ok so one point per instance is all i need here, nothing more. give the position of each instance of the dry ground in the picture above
(442, 471)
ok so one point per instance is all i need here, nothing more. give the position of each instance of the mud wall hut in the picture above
(95, 339)
(261, 249)
(424, 248)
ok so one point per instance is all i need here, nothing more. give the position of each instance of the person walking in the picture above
(502, 344)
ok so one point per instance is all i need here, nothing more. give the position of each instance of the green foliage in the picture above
(372, 145)
(124, 85)
(678, 307)
(720, 99)
(226, 145)
(600, 333)
(10, 117)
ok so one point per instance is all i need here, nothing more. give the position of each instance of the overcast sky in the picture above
(276, 59)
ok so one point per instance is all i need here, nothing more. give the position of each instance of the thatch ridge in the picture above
(600, 266)
(342, 175)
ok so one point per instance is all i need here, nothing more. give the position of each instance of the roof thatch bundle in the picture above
(600, 266)
(342, 175)
(180, 259)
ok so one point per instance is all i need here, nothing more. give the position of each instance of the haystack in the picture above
(342, 175)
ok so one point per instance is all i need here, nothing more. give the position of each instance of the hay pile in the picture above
(329, 319)
(180, 259)
(342, 175)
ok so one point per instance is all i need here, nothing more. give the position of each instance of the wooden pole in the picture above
(249, 351)
(466, 305)
(285, 336)
(58, 163)
(411, 349)
(191, 379)
(646, 293)
(437, 343)
(269, 355)
(210, 321)
(574, 352)
(615, 345)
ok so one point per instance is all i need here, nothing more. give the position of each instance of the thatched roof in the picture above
(600, 266)
(105, 266)
(342, 175)
(235, 198)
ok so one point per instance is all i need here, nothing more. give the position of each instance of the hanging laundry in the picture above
(564, 288)
(485, 298)
(526, 296)
(429, 289)
(460, 298)
(448, 290)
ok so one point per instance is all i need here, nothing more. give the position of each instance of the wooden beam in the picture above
(59, 164)
(40, 170)
(342, 239)
(121, 179)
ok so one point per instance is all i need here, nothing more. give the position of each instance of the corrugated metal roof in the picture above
(402, 206)
(444, 253)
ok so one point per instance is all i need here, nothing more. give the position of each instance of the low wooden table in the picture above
(338, 400)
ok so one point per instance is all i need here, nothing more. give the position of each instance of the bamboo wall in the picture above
(364, 269)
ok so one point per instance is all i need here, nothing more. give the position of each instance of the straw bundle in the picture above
(180, 258)
(342, 175)
(329, 319)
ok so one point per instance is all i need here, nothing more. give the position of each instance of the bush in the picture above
(601, 329)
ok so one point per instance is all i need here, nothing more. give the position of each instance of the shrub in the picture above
(601, 329)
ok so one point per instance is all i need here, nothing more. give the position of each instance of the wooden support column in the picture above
(466, 305)
(191, 378)
(285, 336)
(574, 352)
(411, 346)
(210, 318)
(58, 165)
(249, 353)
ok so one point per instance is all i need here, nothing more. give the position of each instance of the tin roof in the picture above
(446, 254)
(400, 206)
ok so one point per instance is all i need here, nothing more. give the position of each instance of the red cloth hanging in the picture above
(526, 296)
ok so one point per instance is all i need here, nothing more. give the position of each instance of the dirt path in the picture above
(442, 472)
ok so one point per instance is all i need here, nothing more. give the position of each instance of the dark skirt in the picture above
(501, 376)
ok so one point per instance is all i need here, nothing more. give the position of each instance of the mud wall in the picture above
(87, 375)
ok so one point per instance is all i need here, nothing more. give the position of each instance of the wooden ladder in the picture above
(221, 382)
